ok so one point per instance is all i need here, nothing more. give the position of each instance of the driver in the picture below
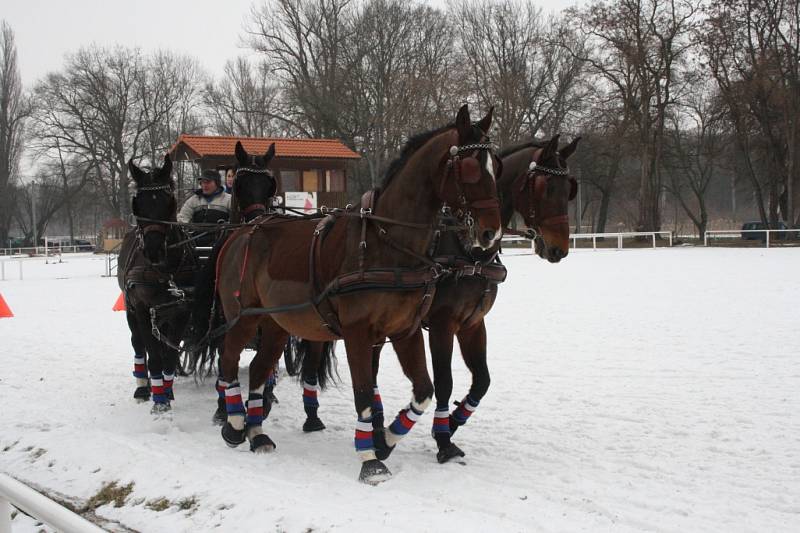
(208, 204)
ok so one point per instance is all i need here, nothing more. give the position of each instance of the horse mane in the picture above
(412, 145)
(520, 146)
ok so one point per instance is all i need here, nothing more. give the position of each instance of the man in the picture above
(208, 204)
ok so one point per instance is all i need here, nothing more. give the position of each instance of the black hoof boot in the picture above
(313, 424)
(262, 444)
(382, 450)
(451, 451)
(373, 472)
(142, 394)
(160, 408)
(221, 414)
(232, 437)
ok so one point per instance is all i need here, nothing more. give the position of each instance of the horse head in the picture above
(541, 189)
(153, 204)
(467, 187)
(254, 184)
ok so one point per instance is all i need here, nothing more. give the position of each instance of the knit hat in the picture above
(212, 175)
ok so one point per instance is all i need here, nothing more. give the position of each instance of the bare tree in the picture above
(14, 110)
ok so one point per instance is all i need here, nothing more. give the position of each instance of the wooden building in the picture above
(300, 165)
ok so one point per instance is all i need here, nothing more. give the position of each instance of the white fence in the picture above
(46, 250)
(38, 506)
(594, 236)
(738, 233)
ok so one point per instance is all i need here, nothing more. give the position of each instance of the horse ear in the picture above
(569, 149)
(270, 154)
(486, 122)
(241, 154)
(551, 148)
(166, 169)
(463, 124)
(136, 173)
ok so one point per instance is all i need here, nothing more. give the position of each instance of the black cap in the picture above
(212, 175)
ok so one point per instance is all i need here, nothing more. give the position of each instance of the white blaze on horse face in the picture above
(490, 165)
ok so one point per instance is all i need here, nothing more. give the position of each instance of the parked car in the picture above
(751, 235)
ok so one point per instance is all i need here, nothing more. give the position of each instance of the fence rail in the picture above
(49, 250)
(737, 233)
(594, 236)
(39, 506)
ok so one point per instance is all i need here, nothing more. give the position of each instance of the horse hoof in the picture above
(373, 472)
(262, 444)
(160, 408)
(219, 417)
(382, 450)
(142, 394)
(232, 437)
(450, 451)
(313, 424)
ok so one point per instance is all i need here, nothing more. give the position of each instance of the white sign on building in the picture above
(307, 201)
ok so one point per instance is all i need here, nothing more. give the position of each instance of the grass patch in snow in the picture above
(162, 504)
(159, 504)
(108, 493)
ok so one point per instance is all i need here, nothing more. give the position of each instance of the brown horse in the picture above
(528, 184)
(361, 275)
(154, 260)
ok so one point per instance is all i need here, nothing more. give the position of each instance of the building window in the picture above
(290, 180)
(310, 180)
(334, 181)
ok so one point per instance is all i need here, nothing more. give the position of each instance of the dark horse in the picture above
(361, 275)
(154, 261)
(535, 183)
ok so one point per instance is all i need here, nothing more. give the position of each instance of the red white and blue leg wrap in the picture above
(365, 447)
(234, 405)
(272, 377)
(404, 421)
(140, 370)
(441, 421)
(310, 392)
(168, 381)
(377, 402)
(255, 408)
(221, 385)
(464, 410)
(157, 388)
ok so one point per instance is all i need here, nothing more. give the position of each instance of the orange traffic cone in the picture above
(120, 305)
(5, 310)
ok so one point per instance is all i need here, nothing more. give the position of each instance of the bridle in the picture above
(536, 179)
(253, 211)
(144, 228)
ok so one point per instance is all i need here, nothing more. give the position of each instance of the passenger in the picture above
(230, 177)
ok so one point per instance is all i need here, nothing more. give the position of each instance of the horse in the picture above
(318, 279)
(154, 261)
(532, 180)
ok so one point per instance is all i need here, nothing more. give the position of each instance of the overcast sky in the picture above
(206, 29)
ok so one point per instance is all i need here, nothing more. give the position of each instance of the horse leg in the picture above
(155, 365)
(379, 433)
(142, 392)
(440, 339)
(233, 431)
(273, 339)
(311, 388)
(411, 353)
(473, 348)
(359, 359)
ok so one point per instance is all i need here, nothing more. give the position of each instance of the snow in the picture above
(635, 390)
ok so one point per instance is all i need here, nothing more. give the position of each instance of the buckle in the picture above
(366, 212)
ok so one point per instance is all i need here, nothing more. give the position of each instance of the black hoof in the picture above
(232, 437)
(160, 408)
(142, 394)
(382, 450)
(313, 424)
(448, 452)
(262, 444)
(220, 417)
(373, 472)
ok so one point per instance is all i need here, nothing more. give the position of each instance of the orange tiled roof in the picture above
(224, 146)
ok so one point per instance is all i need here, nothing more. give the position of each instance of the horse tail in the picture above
(290, 356)
(323, 368)
(206, 316)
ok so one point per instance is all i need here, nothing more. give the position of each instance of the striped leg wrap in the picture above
(310, 392)
(462, 413)
(234, 405)
(272, 377)
(441, 421)
(255, 408)
(404, 421)
(139, 371)
(157, 388)
(168, 380)
(377, 403)
(365, 448)
(221, 385)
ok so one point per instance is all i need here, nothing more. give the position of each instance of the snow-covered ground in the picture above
(653, 390)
